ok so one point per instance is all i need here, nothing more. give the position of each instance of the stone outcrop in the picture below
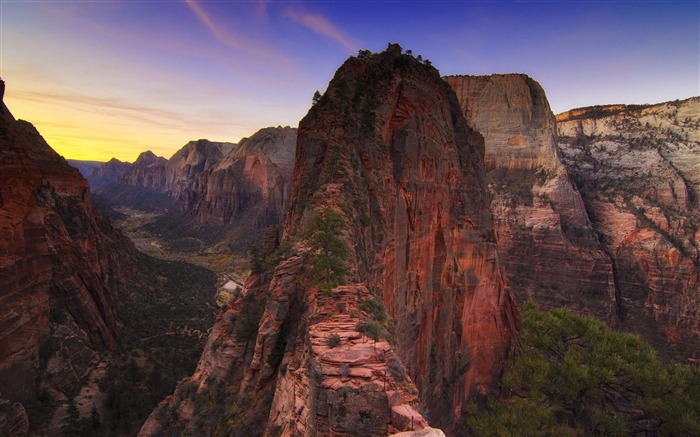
(638, 170)
(57, 267)
(387, 152)
(550, 250)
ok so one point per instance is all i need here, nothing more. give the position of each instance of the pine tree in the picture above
(71, 423)
(328, 267)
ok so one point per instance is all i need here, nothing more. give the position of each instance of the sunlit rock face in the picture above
(387, 149)
(638, 170)
(57, 268)
(551, 252)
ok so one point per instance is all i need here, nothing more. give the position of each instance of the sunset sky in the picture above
(103, 79)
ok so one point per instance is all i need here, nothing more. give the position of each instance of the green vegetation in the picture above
(378, 325)
(328, 266)
(333, 340)
(165, 312)
(577, 377)
(249, 318)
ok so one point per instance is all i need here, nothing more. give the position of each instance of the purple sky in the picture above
(114, 78)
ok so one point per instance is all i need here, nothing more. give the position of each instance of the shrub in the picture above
(333, 341)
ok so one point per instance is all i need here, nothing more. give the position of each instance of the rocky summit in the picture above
(386, 297)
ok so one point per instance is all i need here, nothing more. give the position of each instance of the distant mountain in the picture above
(211, 191)
(107, 173)
(85, 167)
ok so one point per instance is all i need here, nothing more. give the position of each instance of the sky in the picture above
(102, 79)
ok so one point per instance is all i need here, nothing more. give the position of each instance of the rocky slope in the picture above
(253, 179)
(550, 250)
(57, 269)
(386, 164)
(638, 170)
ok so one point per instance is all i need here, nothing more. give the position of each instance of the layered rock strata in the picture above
(388, 152)
(638, 169)
(550, 250)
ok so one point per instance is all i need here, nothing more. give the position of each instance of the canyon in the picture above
(208, 193)
(402, 224)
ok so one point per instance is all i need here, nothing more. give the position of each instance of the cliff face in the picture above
(56, 267)
(185, 166)
(638, 170)
(551, 252)
(388, 154)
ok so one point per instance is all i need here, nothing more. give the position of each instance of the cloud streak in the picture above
(226, 37)
(321, 26)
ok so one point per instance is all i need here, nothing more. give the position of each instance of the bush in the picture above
(333, 341)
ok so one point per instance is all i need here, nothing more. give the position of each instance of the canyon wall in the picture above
(57, 268)
(638, 170)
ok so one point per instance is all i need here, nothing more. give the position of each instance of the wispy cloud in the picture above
(321, 26)
(227, 37)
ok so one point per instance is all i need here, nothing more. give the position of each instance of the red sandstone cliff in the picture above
(57, 269)
(550, 250)
(387, 149)
(638, 169)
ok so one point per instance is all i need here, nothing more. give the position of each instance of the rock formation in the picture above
(551, 252)
(57, 267)
(85, 167)
(385, 163)
(638, 169)
(148, 171)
